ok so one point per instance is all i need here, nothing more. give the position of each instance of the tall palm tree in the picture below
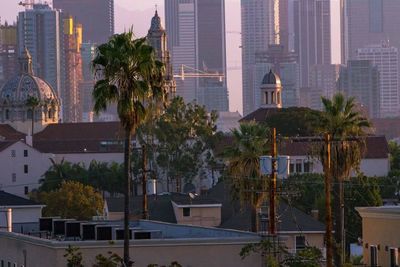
(129, 76)
(250, 142)
(32, 102)
(346, 127)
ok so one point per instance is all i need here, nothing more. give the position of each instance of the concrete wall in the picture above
(381, 232)
(193, 252)
(201, 216)
(13, 166)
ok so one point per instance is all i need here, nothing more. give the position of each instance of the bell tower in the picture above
(271, 91)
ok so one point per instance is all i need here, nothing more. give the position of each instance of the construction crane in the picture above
(27, 3)
(195, 73)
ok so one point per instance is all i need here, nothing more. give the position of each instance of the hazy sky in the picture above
(138, 13)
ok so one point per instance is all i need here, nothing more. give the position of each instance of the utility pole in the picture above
(272, 186)
(328, 208)
(145, 214)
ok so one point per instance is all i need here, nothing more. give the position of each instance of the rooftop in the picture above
(10, 200)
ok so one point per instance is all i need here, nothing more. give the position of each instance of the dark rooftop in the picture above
(9, 133)
(7, 199)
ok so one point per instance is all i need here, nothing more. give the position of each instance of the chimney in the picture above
(315, 214)
(29, 140)
(9, 220)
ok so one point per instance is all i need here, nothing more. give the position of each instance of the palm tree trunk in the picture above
(33, 120)
(127, 174)
(337, 200)
(254, 224)
(145, 215)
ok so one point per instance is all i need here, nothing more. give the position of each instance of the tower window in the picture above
(7, 114)
(29, 114)
(266, 98)
(50, 114)
(273, 98)
(279, 98)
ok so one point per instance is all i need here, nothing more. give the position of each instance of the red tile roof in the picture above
(9, 133)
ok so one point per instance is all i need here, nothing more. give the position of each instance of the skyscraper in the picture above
(386, 59)
(96, 16)
(39, 31)
(8, 52)
(257, 34)
(196, 31)
(370, 22)
(312, 35)
(360, 79)
(71, 70)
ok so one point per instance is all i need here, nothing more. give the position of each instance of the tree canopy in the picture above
(72, 200)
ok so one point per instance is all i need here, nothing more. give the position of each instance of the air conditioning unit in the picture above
(105, 232)
(147, 234)
(73, 230)
(59, 226)
(119, 233)
(46, 224)
(88, 231)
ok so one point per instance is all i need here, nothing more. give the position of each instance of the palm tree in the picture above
(32, 102)
(250, 142)
(346, 128)
(130, 77)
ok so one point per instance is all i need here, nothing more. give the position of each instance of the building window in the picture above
(273, 97)
(25, 168)
(291, 168)
(298, 165)
(266, 98)
(14, 177)
(300, 243)
(26, 190)
(2, 263)
(394, 257)
(307, 166)
(186, 212)
(25, 153)
(279, 98)
(13, 153)
(29, 114)
(50, 114)
(374, 256)
(375, 15)
(7, 114)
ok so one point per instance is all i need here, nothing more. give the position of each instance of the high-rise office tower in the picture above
(96, 16)
(196, 31)
(285, 65)
(386, 59)
(322, 82)
(360, 79)
(257, 34)
(39, 31)
(71, 70)
(157, 37)
(312, 35)
(370, 22)
(8, 52)
(88, 51)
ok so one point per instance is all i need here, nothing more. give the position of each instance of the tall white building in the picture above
(196, 39)
(386, 58)
(39, 32)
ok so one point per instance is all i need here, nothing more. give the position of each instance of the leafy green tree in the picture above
(62, 171)
(346, 126)
(250, 141)
(294, 121)
(72, 200)
(113, 260)
(74, 257)
(184, 134)
(394, 150)
(129, 76)
(308, 257)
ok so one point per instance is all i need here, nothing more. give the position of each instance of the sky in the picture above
(138, 13)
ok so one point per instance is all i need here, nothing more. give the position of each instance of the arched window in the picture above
(7, 114)
(266, 98)
(273, 98)
(279, 98)
(50, 113)
(29, 114)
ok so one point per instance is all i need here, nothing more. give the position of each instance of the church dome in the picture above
(17, 90)
(271, 78)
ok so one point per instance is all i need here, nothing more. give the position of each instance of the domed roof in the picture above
(271, 78)
(156, 23)
(18, 89)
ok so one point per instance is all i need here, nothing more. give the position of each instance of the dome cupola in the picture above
(271, 91)
(16, 107)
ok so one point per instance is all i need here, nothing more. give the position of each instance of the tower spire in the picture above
(25, 62)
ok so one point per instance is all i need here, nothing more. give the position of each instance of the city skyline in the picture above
(141, 13)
